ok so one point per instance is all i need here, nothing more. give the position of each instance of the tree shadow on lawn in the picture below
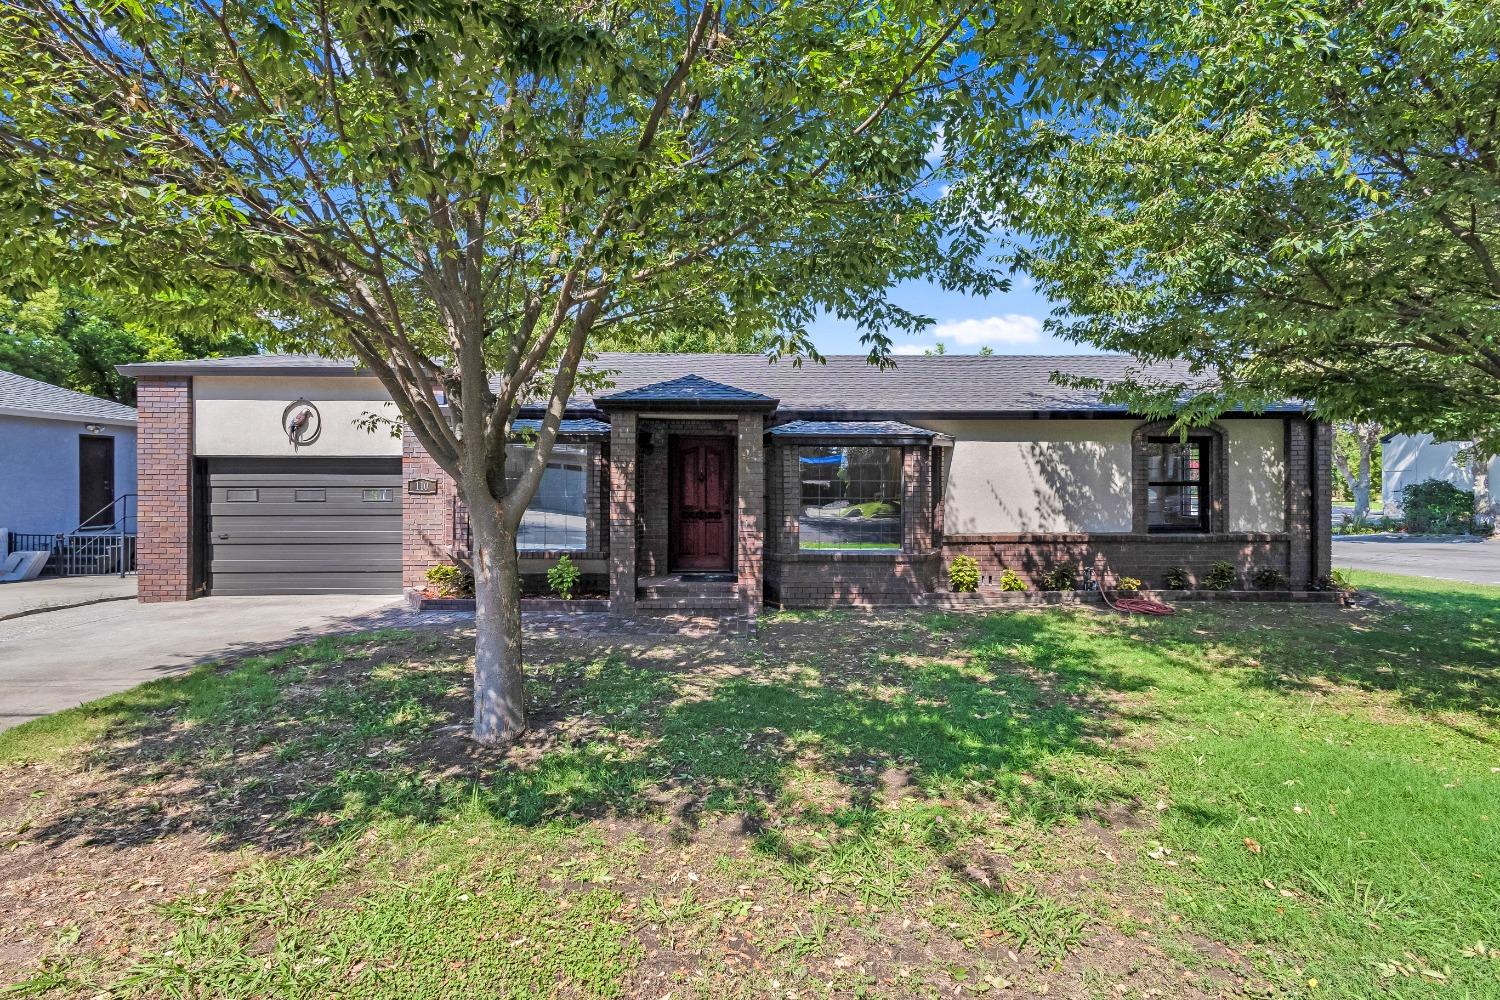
(812, 726)
(1436, 651)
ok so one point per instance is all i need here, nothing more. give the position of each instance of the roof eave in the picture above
(170, 369)
(72, 418)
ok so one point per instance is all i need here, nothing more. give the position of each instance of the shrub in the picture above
(448, 580)
(1011, 580)
(563, 577)
(1061, 577)
(1221, 576)
(1337, 580)
(1435, 507)
(1268, 578)
(1128, 584)
(963, 575)
(1178, 579)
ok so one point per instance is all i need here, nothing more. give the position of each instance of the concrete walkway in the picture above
(51, 593)
(1462, 558)
(53, 661)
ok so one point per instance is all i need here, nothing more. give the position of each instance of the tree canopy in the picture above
(469, 196)
(1301, 199)
(70, 338)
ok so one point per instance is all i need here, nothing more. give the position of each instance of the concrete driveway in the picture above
(59, 659)
(1469, 560)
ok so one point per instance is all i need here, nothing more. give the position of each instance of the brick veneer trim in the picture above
(166, 520)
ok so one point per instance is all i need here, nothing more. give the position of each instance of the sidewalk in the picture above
(52, 593)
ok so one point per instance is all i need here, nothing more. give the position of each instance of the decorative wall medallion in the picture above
(301, 422)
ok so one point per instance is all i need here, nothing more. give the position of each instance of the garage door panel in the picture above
(294, 511)
(335, 540)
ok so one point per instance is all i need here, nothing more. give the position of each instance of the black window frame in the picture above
(867, 547)
(1204, 483)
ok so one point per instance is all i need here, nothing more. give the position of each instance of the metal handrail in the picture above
(124, 514)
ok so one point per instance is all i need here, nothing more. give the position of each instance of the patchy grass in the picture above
(1235, 800)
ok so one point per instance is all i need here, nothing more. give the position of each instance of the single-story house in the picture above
(1406, 459)
(68, 459)
(722, 481)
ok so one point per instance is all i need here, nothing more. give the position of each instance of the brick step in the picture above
(688, 603)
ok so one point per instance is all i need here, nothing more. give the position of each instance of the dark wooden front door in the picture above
(702, 503)
(96, 481)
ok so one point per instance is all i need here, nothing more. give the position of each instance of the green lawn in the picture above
(1238, 800)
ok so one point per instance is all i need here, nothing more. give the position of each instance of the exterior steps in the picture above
(678, 593)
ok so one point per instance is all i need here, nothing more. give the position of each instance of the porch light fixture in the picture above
(93, 428)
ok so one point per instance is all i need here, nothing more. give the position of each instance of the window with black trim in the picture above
(1177, 484)
(851, 499)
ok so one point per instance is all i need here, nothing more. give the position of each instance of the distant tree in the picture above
(1355, 451)
(985, 352)
(72, 339)
(468, 198)
(1302, 200)
(937, 350)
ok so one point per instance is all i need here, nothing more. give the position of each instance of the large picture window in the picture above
(1177, 485)
(851, 498)
(557, 518)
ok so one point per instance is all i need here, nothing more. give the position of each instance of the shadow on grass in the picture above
(811, 726)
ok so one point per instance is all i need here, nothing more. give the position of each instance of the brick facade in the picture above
(622, 513)
(167, 547)
(1113, 555)
(427, 519)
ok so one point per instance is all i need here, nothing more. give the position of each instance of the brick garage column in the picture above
(426, 519)
(622, 482)
(1299, 502)
(166, 544)
(750, 529)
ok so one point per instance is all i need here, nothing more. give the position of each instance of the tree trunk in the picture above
(1483, 509)
(499, 689)
(1362, 482)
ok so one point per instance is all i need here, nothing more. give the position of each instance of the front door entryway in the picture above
(701, 516)
(96, 481)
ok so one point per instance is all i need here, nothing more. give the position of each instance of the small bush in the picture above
(1061, 577)
(1268, 578)
(1221, 576)
(963, 575)
(1010, 580)
(1337, 580)
(448, 580)
(1435, 507)
(1128, 584)
(1178, 579)
(563, 577)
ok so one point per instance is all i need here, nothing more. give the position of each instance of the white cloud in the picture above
(1008, 329)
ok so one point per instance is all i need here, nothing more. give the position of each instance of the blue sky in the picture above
(1009, 322)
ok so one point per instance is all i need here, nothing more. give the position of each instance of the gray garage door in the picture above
(305, 526)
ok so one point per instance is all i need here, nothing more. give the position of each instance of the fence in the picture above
(81, 553)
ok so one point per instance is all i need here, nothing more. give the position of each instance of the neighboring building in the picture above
(722, 480)
(67, 457)
(1414, 458)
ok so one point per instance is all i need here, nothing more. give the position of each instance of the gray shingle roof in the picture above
(692, 389)
(26, 397)
(872, 429)
(846, 387)
(579, 427)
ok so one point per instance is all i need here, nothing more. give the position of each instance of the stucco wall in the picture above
(1074, 475)
(1257, 474)
(242, 416)
(39, 478)
(1037, 475)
